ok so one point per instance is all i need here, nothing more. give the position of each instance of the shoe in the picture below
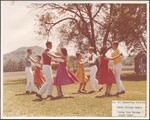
(122, 92)
(33, 92)
(100, 89)
(39, 96)
(49, 96)
(27, 92)
(61, 96)
(79, 91)
(91, 92)
(83, 90)
(108, 94)
(57, 97)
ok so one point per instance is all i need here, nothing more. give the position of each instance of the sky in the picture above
(18, 28)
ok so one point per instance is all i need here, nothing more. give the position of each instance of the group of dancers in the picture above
(44, 79)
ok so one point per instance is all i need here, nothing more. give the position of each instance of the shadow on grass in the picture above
(21, 94)
(104, 96)
(54, 98)
(133, 77)
(64, 97)
(78, 93)
(39, 100)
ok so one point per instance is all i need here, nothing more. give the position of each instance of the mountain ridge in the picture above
(20, 53)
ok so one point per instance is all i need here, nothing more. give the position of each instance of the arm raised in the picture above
(52, 55)
(114, 57)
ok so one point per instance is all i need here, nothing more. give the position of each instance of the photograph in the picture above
(74, 59)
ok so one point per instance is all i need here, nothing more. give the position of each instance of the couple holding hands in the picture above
(64, 76)
(105, 74)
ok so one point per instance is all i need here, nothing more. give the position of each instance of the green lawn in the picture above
(81, 105)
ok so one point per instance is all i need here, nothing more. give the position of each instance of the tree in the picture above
(21, 65)
(71, 63)
(14, 65)
(79, 23)
(94, 25)
(129, 25)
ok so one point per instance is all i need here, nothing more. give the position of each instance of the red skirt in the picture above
(106, 77)
(38, 77)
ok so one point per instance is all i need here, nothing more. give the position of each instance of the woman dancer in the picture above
(80, 74)
(38, 75)
(63, 75)
(105, 74)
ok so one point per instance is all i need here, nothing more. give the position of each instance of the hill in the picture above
(21, 52)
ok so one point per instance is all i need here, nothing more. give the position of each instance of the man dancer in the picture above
(93, 70)
(47, 70)
(29, 73)
(117, 68)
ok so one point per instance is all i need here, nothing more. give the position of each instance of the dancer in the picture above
(38, 75)
(117, 68)
(63, 75)
(47, 70)
(80, 74)
(29, 73)
(105, 74)
(93, 70)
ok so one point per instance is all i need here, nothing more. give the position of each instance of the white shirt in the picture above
(94, 57)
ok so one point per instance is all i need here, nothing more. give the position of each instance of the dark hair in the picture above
(78, 54)
(103, 50)
(39, 56)
(29, 49)
(91, 48)
(48, 43)
(115, 43)
(64, 51)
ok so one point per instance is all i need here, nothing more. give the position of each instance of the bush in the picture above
(55, 66)
(14, 65)
(128, 62)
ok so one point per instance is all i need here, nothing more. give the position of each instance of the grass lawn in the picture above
(81, 105)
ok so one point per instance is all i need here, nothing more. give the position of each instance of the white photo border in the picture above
(129, 2)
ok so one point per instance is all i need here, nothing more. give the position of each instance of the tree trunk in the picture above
(108, 28)
(87, 33)
(106, 35)
(88, 6)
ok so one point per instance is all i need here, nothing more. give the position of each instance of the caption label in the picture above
(128, 108)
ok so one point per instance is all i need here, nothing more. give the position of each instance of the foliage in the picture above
(87, 24)
(55, 66)
(13, 65)
(128, 62)
(71, 63)
(129, 25)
